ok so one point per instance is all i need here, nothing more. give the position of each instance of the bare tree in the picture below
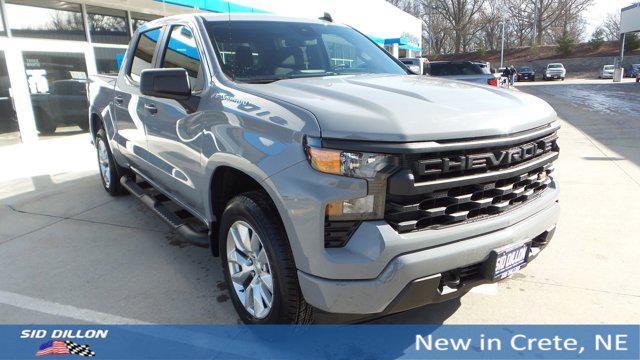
(459, 15)
(611, 27)
(490, 19)
(546, 14)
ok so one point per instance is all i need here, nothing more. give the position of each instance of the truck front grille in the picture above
(427, 195)
(459, 204)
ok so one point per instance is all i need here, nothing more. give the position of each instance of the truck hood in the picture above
(403, 108)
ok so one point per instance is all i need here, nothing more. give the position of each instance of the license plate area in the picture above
(509, 259)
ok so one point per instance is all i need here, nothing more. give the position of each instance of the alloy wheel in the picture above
(103, 162)
(249, 269)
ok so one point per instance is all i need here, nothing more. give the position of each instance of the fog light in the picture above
(360, 206)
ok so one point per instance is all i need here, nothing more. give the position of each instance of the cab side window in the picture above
(143, 55)
(182, 52)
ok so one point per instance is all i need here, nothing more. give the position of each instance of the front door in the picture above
(174, 128)
(129, 104)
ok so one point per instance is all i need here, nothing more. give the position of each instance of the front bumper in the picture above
(414, 279)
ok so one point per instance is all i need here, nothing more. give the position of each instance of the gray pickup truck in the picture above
(326, 176)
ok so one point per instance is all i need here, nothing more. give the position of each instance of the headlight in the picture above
(348, 163)
(373, 167)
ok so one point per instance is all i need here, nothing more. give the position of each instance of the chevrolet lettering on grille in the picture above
(486, 160)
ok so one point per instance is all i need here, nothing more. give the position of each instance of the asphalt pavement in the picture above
(72, 254)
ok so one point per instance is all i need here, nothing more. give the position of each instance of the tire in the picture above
(84, 125)
(110, 172)
(255, 213)
(44, 124)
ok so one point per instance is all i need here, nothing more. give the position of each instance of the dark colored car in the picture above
(526, 73)
(631, 70)
(463, 70)
(65, 103)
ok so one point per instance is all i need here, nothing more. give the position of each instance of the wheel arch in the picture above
(230, 178)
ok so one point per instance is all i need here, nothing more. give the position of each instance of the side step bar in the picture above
(178, 223)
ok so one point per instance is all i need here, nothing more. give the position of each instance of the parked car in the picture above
(64, 104)
(416, 65)
(554, 71)
(463, 70)
(336, 182)
(631, 70)
(606, 72)
(526, 73)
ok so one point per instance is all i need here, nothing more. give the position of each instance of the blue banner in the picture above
(321, 342)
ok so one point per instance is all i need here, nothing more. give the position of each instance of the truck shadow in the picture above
(428, 314)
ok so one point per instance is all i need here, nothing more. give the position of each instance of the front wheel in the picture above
(258, 265)
(109, 173)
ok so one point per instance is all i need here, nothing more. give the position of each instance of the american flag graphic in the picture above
(60, 347)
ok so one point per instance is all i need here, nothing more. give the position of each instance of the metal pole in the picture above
(502, 45)
(624, 35)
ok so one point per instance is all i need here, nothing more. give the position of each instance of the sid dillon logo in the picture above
(60, 343)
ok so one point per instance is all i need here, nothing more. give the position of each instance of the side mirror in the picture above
(165, 83)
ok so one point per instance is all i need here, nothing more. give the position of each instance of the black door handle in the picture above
(152, 109)
(118, 99)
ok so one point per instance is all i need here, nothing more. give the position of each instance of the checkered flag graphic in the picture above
(77, 349)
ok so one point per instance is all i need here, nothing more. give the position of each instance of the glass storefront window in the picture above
(9, 133)
(57, 82)
(139, 19)
(108, 60)
(108, 25)
(46, 19)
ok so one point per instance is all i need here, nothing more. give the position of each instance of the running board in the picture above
(178, 223)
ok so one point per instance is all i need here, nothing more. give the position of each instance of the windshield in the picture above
(266, 51)
(455, 69)
(524, 69)
(555, 66)
(608, 67)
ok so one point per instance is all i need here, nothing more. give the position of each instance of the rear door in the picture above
(130, 111)
(174, 128)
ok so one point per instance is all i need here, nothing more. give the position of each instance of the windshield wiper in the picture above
(287, 77)
(260, 81)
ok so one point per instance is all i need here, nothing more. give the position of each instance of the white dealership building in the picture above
(49, 48)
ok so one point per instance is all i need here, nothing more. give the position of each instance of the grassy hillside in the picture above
(525, 54)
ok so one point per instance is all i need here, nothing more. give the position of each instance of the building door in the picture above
(58, 87)
(9, 130)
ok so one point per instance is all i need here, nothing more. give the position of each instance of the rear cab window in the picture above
(143, 53)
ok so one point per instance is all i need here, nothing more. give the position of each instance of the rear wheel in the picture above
(44, 124)
(109, 171)
(259, 270)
